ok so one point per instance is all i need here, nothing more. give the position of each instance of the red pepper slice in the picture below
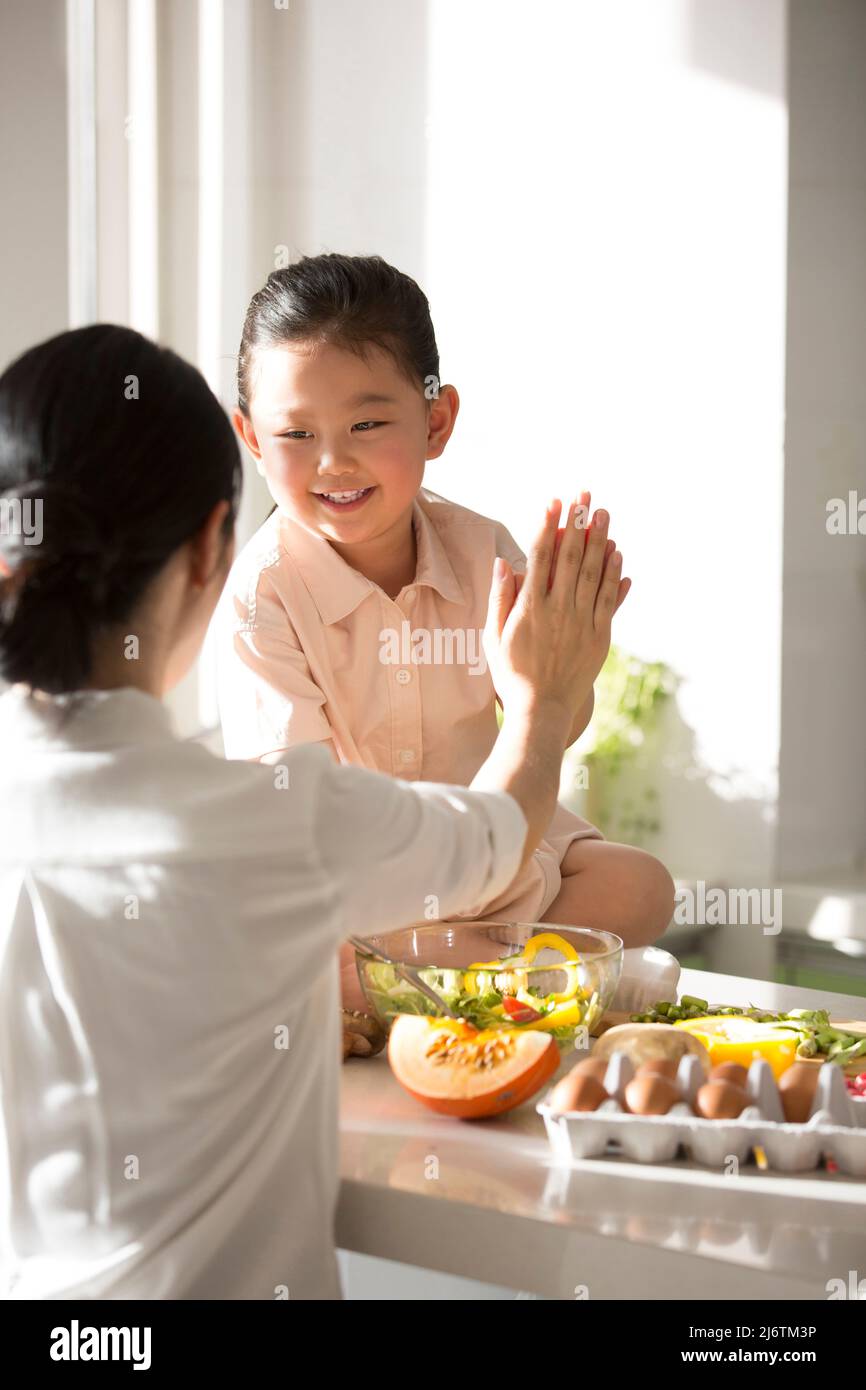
(519, 1012)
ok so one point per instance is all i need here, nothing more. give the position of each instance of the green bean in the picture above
(848, 1054)
(844, 1056)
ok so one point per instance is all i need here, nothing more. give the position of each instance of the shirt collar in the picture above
(337, 589)
(92, 719)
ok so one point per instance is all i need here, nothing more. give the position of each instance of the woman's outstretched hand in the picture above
(548, 632)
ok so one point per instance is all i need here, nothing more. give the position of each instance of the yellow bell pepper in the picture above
(480, 983)
(530, 951)
(572, 974)
(551, 940)
(728, 1038)
(568, 1014)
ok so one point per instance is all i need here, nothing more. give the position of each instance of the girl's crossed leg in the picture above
(613, 888)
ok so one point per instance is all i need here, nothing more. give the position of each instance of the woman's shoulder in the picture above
(246, 807)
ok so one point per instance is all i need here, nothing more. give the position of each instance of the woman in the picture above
(169, 921)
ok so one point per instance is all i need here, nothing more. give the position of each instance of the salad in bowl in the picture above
(532, 976)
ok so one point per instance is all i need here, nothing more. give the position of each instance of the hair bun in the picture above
(98, 492)
(55, 540)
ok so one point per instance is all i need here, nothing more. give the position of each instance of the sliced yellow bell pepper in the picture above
(550, 939)
(529, 952)
(535, 944)
(572, 974)
(504, 963)
(728, 1038)
(565, 1015)
(480, 983)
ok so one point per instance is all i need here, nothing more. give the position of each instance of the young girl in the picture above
(354, 615)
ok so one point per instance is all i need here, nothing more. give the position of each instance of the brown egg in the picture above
(591, 1066)
(577, 1091)
(797, 1091)
(719, 1100)
(659, 1066)
(650, 1094)
(714, 1232)
(732, 1072)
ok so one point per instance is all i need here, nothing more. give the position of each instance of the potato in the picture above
(644, 1042)
(363, 1036)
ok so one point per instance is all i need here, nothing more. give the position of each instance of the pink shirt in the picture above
(310, 649)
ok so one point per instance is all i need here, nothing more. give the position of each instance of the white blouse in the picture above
(169, 994)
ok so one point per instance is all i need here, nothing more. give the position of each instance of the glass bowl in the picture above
(490, 974)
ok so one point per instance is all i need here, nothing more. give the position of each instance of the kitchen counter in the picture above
(484, 1200)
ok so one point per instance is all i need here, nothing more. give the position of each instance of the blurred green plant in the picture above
(629, 694)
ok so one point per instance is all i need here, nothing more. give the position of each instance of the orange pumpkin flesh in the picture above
(455, 1069)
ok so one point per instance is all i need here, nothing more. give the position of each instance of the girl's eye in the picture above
(366, 425)
(295, 434)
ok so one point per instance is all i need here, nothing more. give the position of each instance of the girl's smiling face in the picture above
(324, 421)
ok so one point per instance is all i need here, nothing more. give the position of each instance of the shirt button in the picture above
(410, 596)
(404, 676)
(407, 755)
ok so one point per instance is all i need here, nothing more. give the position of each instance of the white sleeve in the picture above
(403, 852)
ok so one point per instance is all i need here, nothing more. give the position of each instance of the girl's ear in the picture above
(442, 413)
(247, 435)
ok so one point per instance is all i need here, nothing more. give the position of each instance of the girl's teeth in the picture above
(344, 496)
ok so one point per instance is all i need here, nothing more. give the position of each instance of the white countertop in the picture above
(483, 1199)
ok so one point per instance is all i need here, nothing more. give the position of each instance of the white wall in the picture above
(594, 198)
(822, 820)
(33, 264)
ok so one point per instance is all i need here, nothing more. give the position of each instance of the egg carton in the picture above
(835, 1129)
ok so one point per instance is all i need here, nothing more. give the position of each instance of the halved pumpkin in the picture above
(460, 1070)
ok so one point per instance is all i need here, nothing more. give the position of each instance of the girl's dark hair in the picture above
(353, 302)
(113, 452)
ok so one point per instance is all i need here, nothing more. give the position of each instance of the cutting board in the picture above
(853, 1025)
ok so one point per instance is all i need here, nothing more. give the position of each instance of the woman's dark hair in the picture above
(353, 302)
(113, 452)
